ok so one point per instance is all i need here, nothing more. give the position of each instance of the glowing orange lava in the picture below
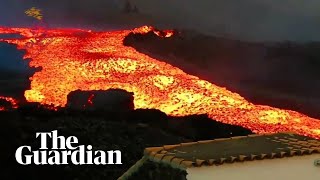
(13, 102)
(77, 59)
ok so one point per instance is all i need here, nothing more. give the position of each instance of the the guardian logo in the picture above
(64, 151)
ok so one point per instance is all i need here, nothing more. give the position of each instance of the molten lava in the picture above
(13, 103)
(77, 59)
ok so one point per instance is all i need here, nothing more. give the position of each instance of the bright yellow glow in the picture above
(99, 61)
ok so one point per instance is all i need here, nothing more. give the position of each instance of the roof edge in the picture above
(134, 168)
(161, 155)
(155, 150)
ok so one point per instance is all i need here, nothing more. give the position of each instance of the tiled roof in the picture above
(235, 149)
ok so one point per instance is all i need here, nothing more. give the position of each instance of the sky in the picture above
(246, 19)
(64, 11)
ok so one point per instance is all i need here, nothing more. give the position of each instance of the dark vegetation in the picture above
(129, 132)
(159, 171)
(284, 75)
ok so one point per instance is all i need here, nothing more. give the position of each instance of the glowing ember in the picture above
(85, 60)
(13, 102)
(90, 99)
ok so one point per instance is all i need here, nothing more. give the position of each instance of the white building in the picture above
(281, 156)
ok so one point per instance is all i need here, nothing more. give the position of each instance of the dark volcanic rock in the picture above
(201, 127)
(109, 100)
(283, 75)
(4, 104)
(129, 132)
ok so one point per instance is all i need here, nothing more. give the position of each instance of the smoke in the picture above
(246, 19)
(64, 12)
(11, 60)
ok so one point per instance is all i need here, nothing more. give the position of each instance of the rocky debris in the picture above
(199, 127)
(5, 105)
(129, 132)
(109, 100)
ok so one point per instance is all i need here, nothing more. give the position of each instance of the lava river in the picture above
(74, 59)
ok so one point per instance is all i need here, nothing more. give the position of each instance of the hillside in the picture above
(129, 132)
(283, 75)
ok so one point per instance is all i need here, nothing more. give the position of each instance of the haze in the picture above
(271, 20)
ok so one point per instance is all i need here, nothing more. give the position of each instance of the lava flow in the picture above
(13, 103)
(74, 59)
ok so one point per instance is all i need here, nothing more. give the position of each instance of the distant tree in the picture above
(135, 9)
(34, 12)
(129, 8)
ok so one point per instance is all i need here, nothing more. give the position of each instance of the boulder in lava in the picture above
(106, 100)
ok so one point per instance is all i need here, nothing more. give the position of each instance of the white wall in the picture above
(245, 19)
(293, 168)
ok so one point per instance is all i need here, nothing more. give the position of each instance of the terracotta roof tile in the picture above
(212, 161)
(189, 143)
(167, 159)
(152, 149)
(187, 163)
(230, 150)
(233, 158)
(168, 147)
(242, 157)
(222, 160)
(176, 161)
(158, 157)
(199, 162)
